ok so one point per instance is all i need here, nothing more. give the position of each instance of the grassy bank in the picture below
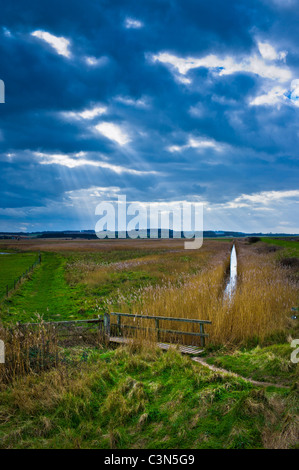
(142, 398)
(266, 364)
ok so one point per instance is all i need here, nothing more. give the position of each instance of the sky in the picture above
(158, 100)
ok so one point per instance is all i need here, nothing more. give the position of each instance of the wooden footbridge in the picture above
(193, 350)
(115, 332)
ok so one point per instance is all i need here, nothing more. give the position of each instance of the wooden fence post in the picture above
(107, 324)
(202, 338)
(119, 324)
(100, 326)
(157, 328)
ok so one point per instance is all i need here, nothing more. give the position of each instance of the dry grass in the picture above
(286, 420)
(28, 350)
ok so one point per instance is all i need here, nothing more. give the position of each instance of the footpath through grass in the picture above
(265, 364)
(269, 361)
(46, 293)
(142, 399)
(58, 290)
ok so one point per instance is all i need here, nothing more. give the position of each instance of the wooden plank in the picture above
(194, 352)
(119, 339)
(191, 350)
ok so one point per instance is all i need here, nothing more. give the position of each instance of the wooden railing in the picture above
(65, 326)
(157, 329)
(105, 325)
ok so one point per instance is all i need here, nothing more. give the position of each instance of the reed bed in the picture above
(27, 350)
(260, 307)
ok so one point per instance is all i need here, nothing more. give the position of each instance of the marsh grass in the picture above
(169, 282)
(260, 307)
(139, 397)
(28, 350)
(165, 265)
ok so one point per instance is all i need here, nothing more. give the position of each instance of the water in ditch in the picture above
(232, 282)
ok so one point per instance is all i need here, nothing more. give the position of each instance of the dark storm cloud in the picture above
(210, 137)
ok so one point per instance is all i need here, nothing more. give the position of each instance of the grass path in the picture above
(46, 293)
(219, 370)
